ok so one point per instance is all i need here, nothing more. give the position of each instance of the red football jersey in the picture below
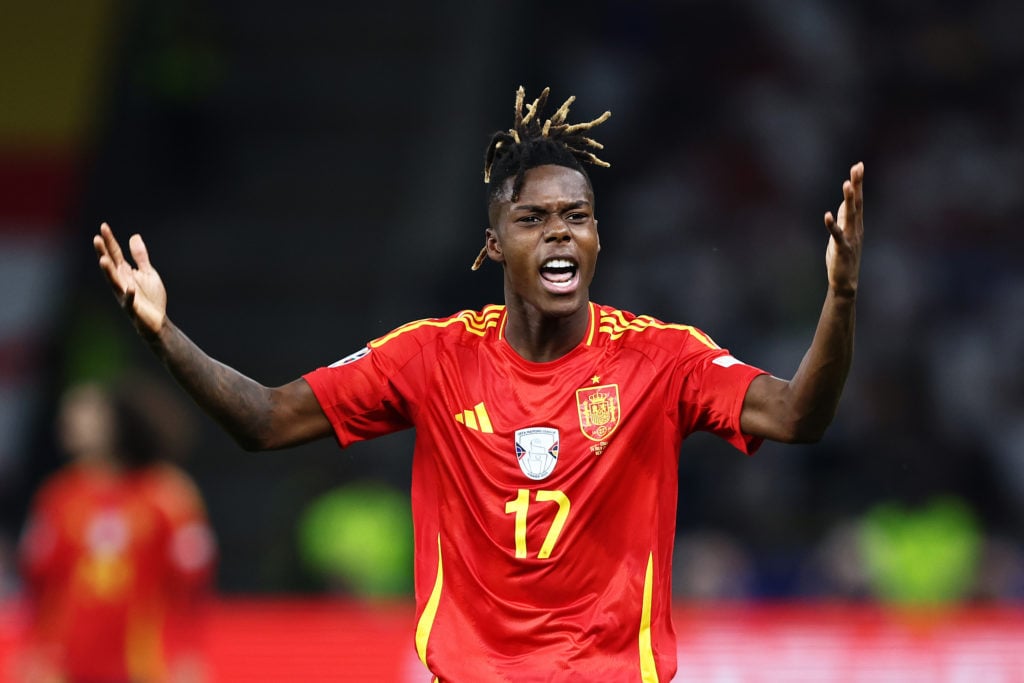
(543, 494)
(108, 559)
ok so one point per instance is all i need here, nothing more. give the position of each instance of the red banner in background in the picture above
(832, 643)
(278, 640)
(311, 641)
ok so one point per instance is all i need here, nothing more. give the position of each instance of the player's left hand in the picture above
(842, 258)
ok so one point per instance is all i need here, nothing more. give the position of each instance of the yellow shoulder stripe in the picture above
(615, 324)
(475, 322)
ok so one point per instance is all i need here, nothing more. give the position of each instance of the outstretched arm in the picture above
(258, 417)
(801, 409)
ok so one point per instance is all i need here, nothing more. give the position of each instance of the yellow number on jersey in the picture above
(521, 505)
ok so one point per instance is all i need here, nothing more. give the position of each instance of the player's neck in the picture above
(539, 338)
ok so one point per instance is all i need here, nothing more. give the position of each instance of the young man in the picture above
(548, 428)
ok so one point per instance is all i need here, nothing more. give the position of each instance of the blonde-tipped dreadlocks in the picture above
(535, 141)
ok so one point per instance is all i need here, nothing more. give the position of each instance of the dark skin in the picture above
(553, 218)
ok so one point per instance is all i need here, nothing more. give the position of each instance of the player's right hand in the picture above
(138, 288)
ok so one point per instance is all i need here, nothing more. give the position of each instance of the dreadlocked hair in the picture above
(534, 141)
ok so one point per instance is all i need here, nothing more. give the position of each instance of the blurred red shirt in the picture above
(115, 565)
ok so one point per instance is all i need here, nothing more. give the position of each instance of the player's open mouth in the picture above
(559, 274)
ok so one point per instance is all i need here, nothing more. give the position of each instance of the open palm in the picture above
(138, 288)
(842, 258)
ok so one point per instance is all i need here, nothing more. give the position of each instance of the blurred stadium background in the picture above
(309, 177)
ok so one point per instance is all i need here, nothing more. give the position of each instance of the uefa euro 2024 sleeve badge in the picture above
(599, 410)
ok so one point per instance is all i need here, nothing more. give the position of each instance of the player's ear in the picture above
(493, 245)
(598, 235)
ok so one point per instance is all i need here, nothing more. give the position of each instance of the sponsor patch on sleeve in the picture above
(352, 357)
(727, 361)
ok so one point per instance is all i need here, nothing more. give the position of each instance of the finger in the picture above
(139, 251)
(129, 300)
(847, 211)
(112, 246)
(106, 261)
(857, 185)
(831, 225)
(99, 246)
(857, 172)
(112, 275)
(848, 196)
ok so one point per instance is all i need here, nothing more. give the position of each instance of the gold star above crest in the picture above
(596, 379)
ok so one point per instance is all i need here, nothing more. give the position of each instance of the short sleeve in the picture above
(714, 384)
(359, 397)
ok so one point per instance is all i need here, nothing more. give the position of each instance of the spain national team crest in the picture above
(599, 410)
(537, 451)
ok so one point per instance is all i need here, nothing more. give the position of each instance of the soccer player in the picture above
(548, 428)
(116, 550)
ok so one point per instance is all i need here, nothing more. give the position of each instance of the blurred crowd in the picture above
(756, 114)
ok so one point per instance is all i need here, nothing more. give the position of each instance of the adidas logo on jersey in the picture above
(476, 419)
